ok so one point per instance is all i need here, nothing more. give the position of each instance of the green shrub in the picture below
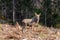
(11, 22)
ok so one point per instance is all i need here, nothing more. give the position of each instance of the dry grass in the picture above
(14, 32)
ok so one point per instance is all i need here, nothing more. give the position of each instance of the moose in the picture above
(35, 20)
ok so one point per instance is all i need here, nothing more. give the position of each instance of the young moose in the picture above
(32, 20)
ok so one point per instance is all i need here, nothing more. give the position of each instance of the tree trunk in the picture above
(13, 11)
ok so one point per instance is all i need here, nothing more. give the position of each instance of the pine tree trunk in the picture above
(13, 11)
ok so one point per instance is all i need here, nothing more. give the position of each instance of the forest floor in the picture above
(14, 32)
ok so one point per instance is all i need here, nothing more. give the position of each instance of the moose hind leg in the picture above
(23, 27)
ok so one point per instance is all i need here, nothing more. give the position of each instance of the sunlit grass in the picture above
(43, 35)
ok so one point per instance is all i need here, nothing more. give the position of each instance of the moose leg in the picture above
(30, 25)
(23, 27)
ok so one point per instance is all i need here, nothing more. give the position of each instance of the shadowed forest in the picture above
(29, 19)
(13, 10)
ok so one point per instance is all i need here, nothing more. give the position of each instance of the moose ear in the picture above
(35, 13)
